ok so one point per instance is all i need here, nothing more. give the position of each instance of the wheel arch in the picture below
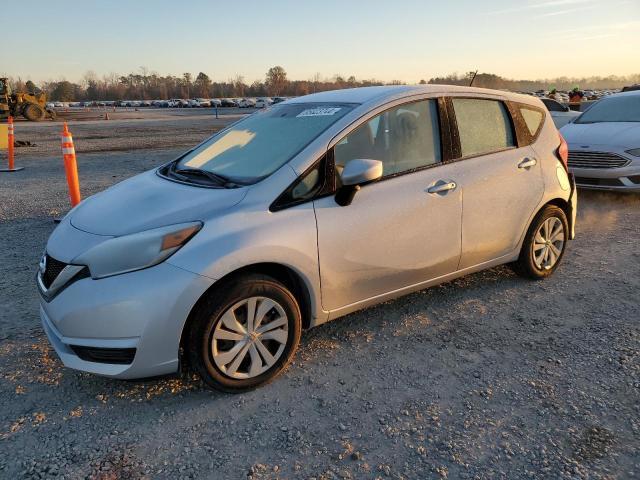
(562, 204)
(286, 275)
(559, 202)
(556, 201)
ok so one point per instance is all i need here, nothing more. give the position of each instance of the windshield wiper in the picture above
(215, 178)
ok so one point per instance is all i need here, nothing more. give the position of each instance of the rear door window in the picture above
(484, 126)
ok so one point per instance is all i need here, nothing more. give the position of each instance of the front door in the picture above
(400, 231)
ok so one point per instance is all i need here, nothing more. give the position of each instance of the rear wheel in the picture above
(33, 112)
(544, 245)
(244, 334)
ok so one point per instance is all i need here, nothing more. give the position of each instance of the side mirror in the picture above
(357, 172)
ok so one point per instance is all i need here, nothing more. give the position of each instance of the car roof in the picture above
(362, 95)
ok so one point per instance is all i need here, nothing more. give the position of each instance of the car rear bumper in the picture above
(573, 206)
(126, 326)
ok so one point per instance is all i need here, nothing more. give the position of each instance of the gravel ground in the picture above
(488, 376)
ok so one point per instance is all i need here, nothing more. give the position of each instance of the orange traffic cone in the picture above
(10, 148)
(70, 166)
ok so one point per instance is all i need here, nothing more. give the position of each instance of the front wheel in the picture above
(544, 245)
(244, 334)
(33, 112)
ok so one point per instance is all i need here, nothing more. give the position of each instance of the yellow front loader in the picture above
(31, 106)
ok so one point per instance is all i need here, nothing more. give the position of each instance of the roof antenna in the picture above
(473, 77)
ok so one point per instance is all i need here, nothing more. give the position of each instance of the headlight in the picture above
(136, 251)
(635, 152)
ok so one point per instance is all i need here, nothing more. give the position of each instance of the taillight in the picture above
(563, 152)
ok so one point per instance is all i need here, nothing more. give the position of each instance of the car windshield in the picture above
(623, 108)
(260, 144)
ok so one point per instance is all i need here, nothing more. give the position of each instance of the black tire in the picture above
(209, 313)
(33, 112)
(526, 265)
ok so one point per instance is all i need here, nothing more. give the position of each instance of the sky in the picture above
(405, 40)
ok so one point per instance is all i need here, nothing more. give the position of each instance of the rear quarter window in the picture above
(533, 118)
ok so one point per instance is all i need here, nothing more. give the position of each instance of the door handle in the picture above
(528, 163)
(442, 187)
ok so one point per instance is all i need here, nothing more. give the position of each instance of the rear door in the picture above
(398, 231)
(502, 181)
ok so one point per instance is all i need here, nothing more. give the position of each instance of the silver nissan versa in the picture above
(309, 210)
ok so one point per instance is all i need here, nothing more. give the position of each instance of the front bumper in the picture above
(144, 310)
(624, 179)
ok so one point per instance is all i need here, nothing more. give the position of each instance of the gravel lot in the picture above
(489, 376)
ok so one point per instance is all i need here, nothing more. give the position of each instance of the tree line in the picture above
(150, 86)
(147, 85)
(489, 80)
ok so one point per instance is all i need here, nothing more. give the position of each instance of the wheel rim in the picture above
(548, 243)
(250, 337)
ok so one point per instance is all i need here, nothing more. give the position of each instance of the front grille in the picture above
(596, 160)
(54, 267)
(599, 182)
(122, 356)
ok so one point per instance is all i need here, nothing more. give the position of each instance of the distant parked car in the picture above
(561, 114)
(228, 102)
(247, 103)
(203, 102)
(178, 103)
(263, 102)
(278, 99)
(604, 144)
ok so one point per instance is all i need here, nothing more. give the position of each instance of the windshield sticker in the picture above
(319, 112)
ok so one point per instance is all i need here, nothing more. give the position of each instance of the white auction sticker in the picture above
(319, 112)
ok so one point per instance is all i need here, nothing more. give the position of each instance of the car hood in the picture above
(148, 201)
(622, 134)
